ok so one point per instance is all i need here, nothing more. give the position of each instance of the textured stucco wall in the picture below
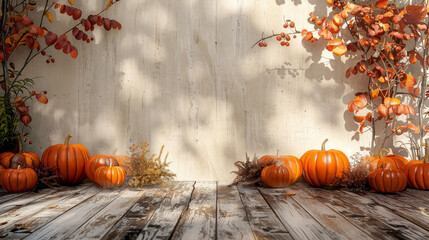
(182, 73)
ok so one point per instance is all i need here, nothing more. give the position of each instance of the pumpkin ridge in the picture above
(75, 179)
(313, 165)
(420, 175)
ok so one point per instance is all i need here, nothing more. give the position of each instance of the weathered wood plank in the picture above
(130, 226)
(232, 223)
(6, 196)
(424, 195)
(263, 221)
(23, 199)
(417, 216)
(199, 220)
(11, 220)
(410, 199)
(163, 221)
(374, 227)
(98, 225)
(297, 220)
(333, 224)
(65, 224)
(399, 226)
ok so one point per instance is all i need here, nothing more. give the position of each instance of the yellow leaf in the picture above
(109, 4)
(49, 16)
(71, 2)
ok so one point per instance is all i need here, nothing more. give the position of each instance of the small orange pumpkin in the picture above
(31, 159)
(387, 180)
(370, 162)
(110, 176)
(277, 175)
(292, 162)
(323, 167)
(392, 161)
(18, 180)
(417, 174)
(97, 161)
(1, 169)
(67, 161)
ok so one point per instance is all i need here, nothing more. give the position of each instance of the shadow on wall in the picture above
(183, 74)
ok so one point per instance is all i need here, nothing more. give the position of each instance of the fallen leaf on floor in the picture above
(53, 206)
(3, 223)
(290, 194)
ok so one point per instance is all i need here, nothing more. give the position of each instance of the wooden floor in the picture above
(212, 210)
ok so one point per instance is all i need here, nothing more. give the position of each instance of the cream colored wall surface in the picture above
(182, 73)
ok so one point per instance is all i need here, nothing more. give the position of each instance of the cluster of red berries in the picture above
(336, 3)
(262, 44)
(50, 58)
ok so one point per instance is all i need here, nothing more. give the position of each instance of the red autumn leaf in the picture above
(26, 20)
(70, 10)
(382, 4)
(77, 13)
(382, 110)
(75, 31)
(117, 25)
(39, 32)
(407, 80)
(63, 9)
(25, 119)
(422, 26)
(362, 125)
(79, 35)
(42, 98)
(327, 35)
(67, 48)
(352, 107)
(398, 109)
(18, 101)
(412, 54)
(29, 41)
(107, 24)
(415, 13)
(22, 109)
(349, 71)
(50, 38)
(73, 52)
(410, 109)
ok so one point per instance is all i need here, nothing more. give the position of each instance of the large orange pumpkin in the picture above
(1, 169)
(417, 174)
(322, 168)
(97, 161)
(277, 175)
(18, 180)
(387, 180)
(292, 162)
(31, 159)
(67, 161)
(110, 176)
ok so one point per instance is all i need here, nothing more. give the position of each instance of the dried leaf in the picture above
(290, 194)
(71, 2)
(49, 16)
(382, 4)
(109, 4)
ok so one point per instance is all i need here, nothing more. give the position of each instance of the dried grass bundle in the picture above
(356, 179)
(249, 172)
(146, 169)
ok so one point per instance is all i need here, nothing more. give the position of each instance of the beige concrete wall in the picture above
(182, 73)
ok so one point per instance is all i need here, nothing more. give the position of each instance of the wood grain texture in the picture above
(263, 221)
(21, 200)
(97, 226)
(199, 219)
(402, 228)
(6, 196)
(232, 222)
(315, 220)
(132, 223)
(68, 222)
(163, 221)
(23, 218)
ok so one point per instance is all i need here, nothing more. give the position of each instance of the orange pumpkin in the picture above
(110, 176)
(292, 162)
(417, 174)
(387, 180)
(370, 162)
(323, 167)
(277, 175)
(97, 161)
(67, 161)
(392, 161)
(31, 159)
(18, 180)
(1, 169)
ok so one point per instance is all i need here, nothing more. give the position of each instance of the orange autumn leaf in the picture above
(340, 50)
(360, 101)
(49, 16)
(382, 4)
(109, 4)
(71, 2)
(407, 80)
(382, 110)
(290, 194)
(309, 36)
(334, 43)
(375, 93)
(42, 98)
(360, 118)
(415, 13)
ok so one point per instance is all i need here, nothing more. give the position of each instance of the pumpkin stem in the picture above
(380, 154)
(323, 144)
(68, 139)
(425, 159)
(114, 151)
(19, 143)
(277, 152)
